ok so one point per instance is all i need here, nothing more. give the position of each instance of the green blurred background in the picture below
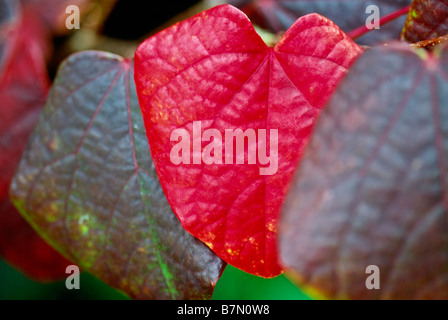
(233, 285)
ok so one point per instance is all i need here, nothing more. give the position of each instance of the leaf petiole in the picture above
(357, 33)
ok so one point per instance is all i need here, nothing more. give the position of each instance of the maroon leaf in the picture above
(87, 182)
(23, 88)
(279, 15)
(372, 185)
(234, 81)
(426, 20)
(23, 248)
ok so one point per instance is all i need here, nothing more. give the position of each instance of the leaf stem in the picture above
(386, 19)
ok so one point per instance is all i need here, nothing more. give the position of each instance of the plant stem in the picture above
(386, 19)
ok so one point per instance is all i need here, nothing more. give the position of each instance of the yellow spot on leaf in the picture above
(233, 252)
(272, 227)
(84, 229)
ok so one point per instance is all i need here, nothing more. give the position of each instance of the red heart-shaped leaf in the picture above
(213, 71)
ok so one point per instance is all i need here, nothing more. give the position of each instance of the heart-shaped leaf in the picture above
(87, 182)
(426, 20)
(23, 88)
(188, 80)
(279, 15)
(371, 188)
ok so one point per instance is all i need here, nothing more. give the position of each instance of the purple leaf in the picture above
(87, 182)
(371, 188)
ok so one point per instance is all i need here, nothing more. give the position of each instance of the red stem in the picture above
(386, 19)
